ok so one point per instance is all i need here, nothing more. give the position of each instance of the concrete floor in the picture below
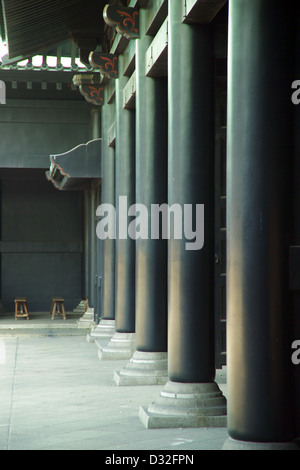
(57, 395)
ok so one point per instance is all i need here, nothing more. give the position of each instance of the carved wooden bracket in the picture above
(82, 79)
(93, 93)
(125, 20)
(107, 63)
(90, 88)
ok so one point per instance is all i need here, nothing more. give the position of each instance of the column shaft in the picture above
(259, 182)
(86, 243)
(108, 197)
(296, 224)
(95, 131)
(92, 246)
(151, 181)
(190, 398)
(191, 181)
(125, 186)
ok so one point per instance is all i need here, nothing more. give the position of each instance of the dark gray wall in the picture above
(32, 130)
(41, 241)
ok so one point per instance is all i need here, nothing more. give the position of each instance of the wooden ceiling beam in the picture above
(202, 11)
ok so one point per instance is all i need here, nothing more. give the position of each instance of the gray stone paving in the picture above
(57, 395)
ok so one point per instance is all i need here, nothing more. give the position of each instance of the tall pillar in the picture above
(86, 243)
(149, 363)
(90, 253)
(91, 243)
(190, 397)
(261, 402)
(96, 123)
(122, 344)
(95, 134)
(106, 327)
(296, 224)
(92, 246)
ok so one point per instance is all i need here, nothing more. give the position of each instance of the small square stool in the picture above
(21, 310)
(58, 307)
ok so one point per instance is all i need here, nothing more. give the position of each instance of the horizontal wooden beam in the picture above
(156, 14)
(157, 54)
(201, 11)
(129, 93)
(38, 76)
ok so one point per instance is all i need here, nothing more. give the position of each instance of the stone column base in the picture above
(182, 405)
(80, 307)
(87, 320)
(105, 330)
(144, 368)
(121, 346)
(233, 444)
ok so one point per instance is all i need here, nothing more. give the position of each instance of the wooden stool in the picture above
(21, 310)
(58, 307)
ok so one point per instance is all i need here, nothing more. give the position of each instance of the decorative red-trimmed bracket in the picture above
(107, 63)
(125, 20)
(93, 93)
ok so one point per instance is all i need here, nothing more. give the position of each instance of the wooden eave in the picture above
(74, 170)
(35, 26)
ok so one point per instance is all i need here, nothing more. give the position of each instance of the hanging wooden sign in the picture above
(125, 20)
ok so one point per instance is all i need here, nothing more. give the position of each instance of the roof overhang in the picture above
(76, 169)
(35, 26)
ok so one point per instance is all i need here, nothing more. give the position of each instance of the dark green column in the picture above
(296, 224)
(93, 242)
(125, 186)
(260, 153)
(191, 181)
(92, 248)
(90, 239)
(106, 325)
(148, 365)
(108, 196)
(190, 398)
(86, 231)
(122, 343)
(89, 244)
(151, 178)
